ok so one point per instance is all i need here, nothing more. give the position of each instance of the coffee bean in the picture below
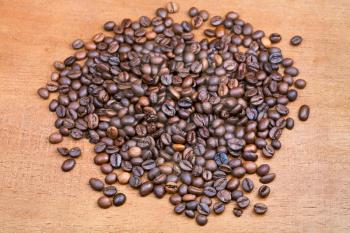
(159, 191)
(267, 178)
(300, 83)
(190, 213)
(119, 199)
(218, 207)
(224, 196)
(304, 112)
(124, 178)
(75, 152)
(104, 202)
(77, 44)
(146, 188)
(192, 12)
(260, 208)
(237, 212)
(175, 199)
(109, 191)
(201, 219)
(247, 185)
(236, 194)
(243, 202)
(63, 151)
(96, 184)
(172, 7)
(275, 37)
(264, 191)
(263, 170)
(134, 152)
(180, 208)
(55, 138)
(111, 178)
(43, 93)
(296, 40)
(68, 165)
(135, 182)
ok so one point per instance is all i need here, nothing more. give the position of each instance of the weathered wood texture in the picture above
(311, 192)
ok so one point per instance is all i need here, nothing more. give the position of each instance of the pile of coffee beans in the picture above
(169, 114)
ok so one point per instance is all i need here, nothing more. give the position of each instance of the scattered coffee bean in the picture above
(264, 191)
(55, 138)
(119, 199)
(237, 212)
(260, 208)
(304, 112)
(201, 219)
(63, 151)
(296, 40)
(243, 202)
(75, 152)
(43, 93)
(68, 165)
(172, 7)
(267, 178)
(300, 83)
(96, 184)
(275, 37)
(104, 202)
(218, 207)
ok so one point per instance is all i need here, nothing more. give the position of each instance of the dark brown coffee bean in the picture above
(172, 7)
(264, 191)
(77, 44)
(243, 202)
(96, 184)
(203, 208)
(267, 178)
(218, 207)
(43, 93)
(159, 191)
(304, 112)
(216, 20)
(237, 212)
(236, 194)
(289, 123)
(119, 199)
(247, 185)
(109, 191)
(104, 202)
(111, 178)
(146, 188)
(55, 138)
(260, 208)
(201, 220)
(296, 40)
(180, 208)
(300, 83)
(63, 151)
(75, 152)
(175, 199)
(224, 196)
(68, 165)
(275, 37)
(263, 170)
(190, 213)
(193, 11)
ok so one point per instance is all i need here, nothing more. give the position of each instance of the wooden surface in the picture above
(311, 192)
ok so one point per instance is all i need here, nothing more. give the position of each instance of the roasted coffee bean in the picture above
(267, 178)
(109, 191)
(63, 151)
(175, 199)
(96, 184)
(247, 185)
(75, 152)
(304, 112)
(237, 212)
(43, 93)
(77, 44)
(159, 191)
(260, 208)
(111, 178)
(68, 165)
(190, 213)
(135, 182)
(203, 208)
(236, 194)
(275, 37)
(243, 202)
(146, 188)
(296, 40)
(263, 170)
(264, 191)
(193, 11)
(300, 83)
(172, 7)
(218, 207)
(201, 219)
(104, 202)
(180, 208)
(224, 196)
(55, 138)
(119, 199)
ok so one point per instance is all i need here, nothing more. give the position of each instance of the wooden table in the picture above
(311, 192)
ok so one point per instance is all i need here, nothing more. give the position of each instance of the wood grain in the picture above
(311, 192)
